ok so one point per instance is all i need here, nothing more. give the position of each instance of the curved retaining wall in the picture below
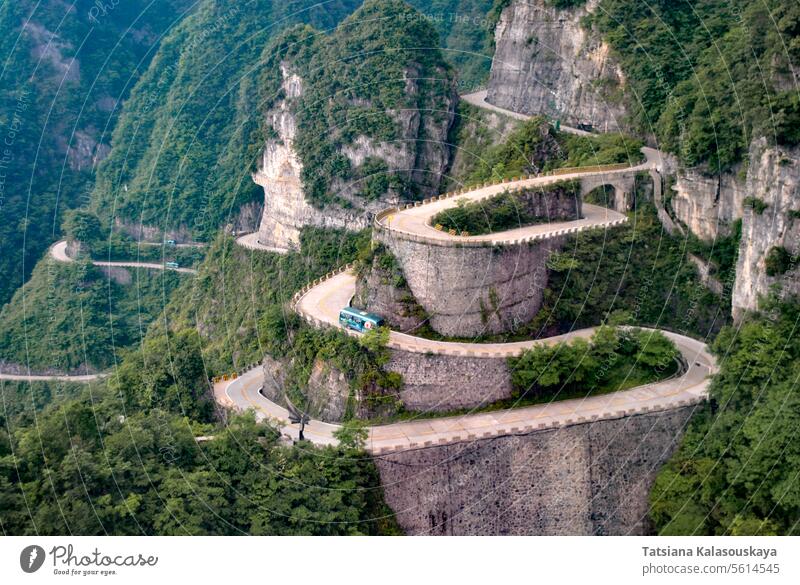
(470, 290)
(585, 479)
(476, 286)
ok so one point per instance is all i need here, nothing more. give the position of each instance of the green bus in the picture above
(350, 318)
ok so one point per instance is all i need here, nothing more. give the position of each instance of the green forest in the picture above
(53, 109)
(75, 317)
(190, 133)
(613, 359)
(119, 469)
(736, 470)
(707, 76)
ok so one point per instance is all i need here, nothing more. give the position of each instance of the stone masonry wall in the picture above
(474, 290)
(585, 479)
(437, 383)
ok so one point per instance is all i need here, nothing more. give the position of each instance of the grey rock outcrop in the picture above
(274, 379)
(327, 392)
(774, 178)
(386, 293)
(707, 204)
(545, 62)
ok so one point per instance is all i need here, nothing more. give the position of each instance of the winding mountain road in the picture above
(250, 241)
(51, 377)
(689, 388)
(320, 305)
(478, 99)
(58, 252)
(416, 221)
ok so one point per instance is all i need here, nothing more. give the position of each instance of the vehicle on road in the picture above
(172, 265)
(171, 243)
(357, 320)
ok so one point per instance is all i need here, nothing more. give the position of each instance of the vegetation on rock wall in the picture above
(635, 273)
(735, 472)
(508, 210)
(536, 147)
(377, 73)
(473, 132)
(191, 131)
(708, 75)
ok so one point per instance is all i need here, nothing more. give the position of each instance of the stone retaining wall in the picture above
(440, 383)
(471, 290)
(585, 479)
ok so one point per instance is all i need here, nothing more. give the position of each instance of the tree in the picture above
(83, 226)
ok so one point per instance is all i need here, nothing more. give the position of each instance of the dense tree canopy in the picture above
(708, 75)
(93, 466)
(736, 470)
(61, 83)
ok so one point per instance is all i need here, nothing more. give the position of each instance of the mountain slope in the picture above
(190, 135)
(65, 68)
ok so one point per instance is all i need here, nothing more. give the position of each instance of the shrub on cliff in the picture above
(512, 209)
(636, 268)
(613, 359)
(699, 76)
(536, 147)
(371, 80)
(778, 261)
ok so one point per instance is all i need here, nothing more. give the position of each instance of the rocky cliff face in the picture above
(327, 391)
(773, 178)
(386, 292)
(545, 62)
(285, 207)
(421, 153)
(706, 204)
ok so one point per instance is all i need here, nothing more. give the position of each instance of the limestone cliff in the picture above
(357, 120)
(286, 209)
(327, 390)
(546, 62)
(773, 178)
(707, 204)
